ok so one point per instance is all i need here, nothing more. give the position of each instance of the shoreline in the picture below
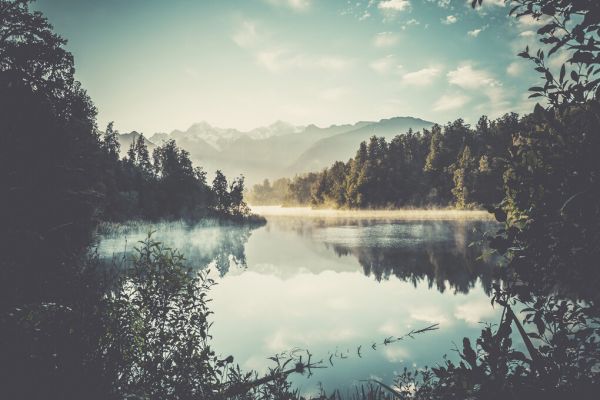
(401, 214)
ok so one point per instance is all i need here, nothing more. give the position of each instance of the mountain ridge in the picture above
(279, 149)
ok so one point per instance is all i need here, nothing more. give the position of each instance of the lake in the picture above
(330, 282)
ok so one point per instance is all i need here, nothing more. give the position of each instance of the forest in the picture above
(453, 165)
(166, 186)
(71, 329)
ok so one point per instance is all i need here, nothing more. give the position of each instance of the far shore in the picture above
(403, 214)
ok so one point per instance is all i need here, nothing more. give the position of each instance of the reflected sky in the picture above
(331, 285)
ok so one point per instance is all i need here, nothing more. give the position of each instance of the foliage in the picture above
(157, 337)
(450, 165)
(270, 194)
(49, 161)
(164, 186)
(551, 204)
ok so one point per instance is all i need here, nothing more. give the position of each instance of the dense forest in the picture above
(164, 185)
(450, 165)
(72, 330)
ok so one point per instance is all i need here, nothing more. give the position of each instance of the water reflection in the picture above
(332, 284)
(205, 244)
(445, 254)
(439, 253)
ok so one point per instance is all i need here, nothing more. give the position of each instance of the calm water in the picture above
(332, 284)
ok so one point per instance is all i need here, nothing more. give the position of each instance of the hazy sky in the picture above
(159, 65)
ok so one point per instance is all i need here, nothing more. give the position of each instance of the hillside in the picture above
(277, 150)
(343, 146)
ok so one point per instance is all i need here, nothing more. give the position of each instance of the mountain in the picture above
(272, 155)
(125, 140)
(343, 146)
(277, 150)
(278, 128)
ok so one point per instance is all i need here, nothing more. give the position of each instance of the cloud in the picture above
(475, 32)
(391, 8)
(385, 39)
(527, 34)
(385, 64)
(468, 77)
(441, 3)
(474, 311)
(528, 21)
(449, 20)
(247, 35)
(410, 22)
(430, 314)
(395, 5)
(515, 68)
(482, 82)
(421, 77)
(451, 102)
(280, 60)
(396, 354)
(296, 5)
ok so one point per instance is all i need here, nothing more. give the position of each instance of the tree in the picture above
(221, 195)
(110, 142)
(51, 187)
(463, 179)
(236, 196)
(49, 160)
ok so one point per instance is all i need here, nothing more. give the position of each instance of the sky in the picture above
(158, 65)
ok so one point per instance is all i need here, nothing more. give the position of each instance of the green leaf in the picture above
(574, 76)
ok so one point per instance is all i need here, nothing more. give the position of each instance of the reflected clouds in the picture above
(333, 284)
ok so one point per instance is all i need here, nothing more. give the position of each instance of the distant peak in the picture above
(200, 125)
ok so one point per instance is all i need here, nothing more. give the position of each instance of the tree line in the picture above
(450, 165)
(164, 184)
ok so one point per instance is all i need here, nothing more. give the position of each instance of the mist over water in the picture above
(330, 282)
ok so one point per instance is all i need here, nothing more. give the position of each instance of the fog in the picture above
(405, 214)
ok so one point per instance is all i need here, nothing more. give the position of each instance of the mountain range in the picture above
(278, 150)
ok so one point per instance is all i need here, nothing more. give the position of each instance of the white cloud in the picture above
(474, 32)
(395, 5)
(468, 77)
(411, 22)
(442, 3)
(396, 354)
(559, 58)
(385, 64)
(483, 82)
(515, 68)
(449, 20)
(297, 5)
(450, 102)
(385, 39)
(421, 77)
(247, 35)
(530, 21)
(527, 34)
(280, 60)
(474, 311)
(430, 314)
(477, 31)
(391, 8)
(498, 100)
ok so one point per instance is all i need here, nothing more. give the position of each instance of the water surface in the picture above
(333, 283)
